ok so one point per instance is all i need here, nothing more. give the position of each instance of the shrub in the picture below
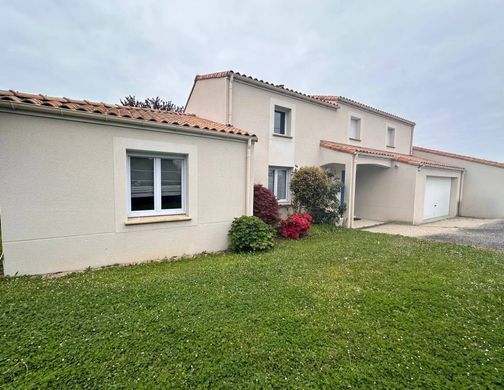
(250, 234)
(266, 205)
(316, 191)
(296, 225)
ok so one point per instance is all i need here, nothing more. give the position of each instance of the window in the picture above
(390, 136)
(355, 128)
(280, 122)
(278, 182)
(156, 185)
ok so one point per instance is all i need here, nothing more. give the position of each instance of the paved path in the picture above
(488, 233)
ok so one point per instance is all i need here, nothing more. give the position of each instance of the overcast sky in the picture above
(438, 63)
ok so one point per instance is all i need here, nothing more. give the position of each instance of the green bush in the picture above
(250, 234)
(316, 192)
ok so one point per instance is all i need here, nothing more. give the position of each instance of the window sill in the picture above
(282, 135)
(355, 139)
(156, 219)
(390, 146)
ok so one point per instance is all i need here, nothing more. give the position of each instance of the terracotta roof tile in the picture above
(278, 87)
(328, 99)
(403, 158)
(460, 157)
(136, 113)
(341, 99)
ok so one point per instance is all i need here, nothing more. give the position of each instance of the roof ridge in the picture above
(343, 99)
(328, 99)
(252, 78)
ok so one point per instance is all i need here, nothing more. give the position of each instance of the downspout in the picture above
(411, 143)
(248, 184)
(461, 191)
(230, 100)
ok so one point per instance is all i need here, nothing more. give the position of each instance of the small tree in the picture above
(266, 205)
(154, 103)
(316, 191)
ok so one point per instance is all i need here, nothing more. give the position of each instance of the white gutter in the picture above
(461, 191)
(439, 167)
(111, 120)
(412, 135)
(230, 100)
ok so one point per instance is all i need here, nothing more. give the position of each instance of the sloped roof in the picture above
(116, 110)
(327, 99)
(277, 87)
(341, 99)
(460, 157)
(399, 157)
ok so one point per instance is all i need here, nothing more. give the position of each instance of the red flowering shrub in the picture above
(296, 225)
(266, 205)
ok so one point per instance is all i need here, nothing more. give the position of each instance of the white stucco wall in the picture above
(385, 194)
(252, 109)
(208, 99)
(483, 188)
(63, 194)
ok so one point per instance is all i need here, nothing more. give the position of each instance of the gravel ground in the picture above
(487, 233)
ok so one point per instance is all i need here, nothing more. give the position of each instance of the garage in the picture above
(437, 197)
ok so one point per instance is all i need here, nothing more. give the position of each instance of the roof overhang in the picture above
(111, 120)
(381, 154)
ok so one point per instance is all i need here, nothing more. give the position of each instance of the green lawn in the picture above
(337, 309)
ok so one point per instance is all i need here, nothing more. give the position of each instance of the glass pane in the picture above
(354, 128)
(171, 184)
(390, 140)
(142, 183)
(279, 122)
(271, 180)
(282, 184)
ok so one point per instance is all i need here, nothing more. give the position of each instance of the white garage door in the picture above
(437, 197)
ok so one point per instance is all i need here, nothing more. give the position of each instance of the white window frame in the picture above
(288, 113)
(275, 181)
(361, 125)
(387, 143)
(157, 185)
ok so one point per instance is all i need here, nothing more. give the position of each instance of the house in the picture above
(86, 184)
(370, 150)
(483, 185)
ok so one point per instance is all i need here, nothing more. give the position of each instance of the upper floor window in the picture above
(278, 182)
(282, 121)
(390, 136)
(156, 185)
(355, 128)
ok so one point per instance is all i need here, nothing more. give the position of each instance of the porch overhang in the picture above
(374, 156)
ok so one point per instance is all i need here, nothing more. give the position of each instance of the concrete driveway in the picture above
(488, 233)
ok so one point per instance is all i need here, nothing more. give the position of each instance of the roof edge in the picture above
(460, 157)
(399, 157)
(345, 100)
(267, 85)
(47, 111)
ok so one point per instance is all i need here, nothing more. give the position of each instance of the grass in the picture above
(339, 308)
